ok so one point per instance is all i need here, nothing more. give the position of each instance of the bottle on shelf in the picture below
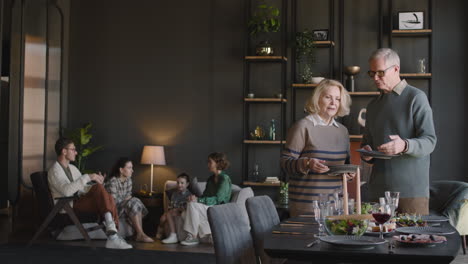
(273, 130)
(255, 173)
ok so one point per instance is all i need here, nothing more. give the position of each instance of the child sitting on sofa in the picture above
(177, 205)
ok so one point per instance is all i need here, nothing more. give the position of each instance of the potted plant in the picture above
(305, 54)
(81, 137)
(265, 19)
(283, 194)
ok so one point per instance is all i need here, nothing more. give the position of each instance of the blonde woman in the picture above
(315, 142)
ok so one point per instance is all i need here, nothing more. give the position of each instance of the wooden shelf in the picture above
(266, 58)
(304, 85)
(266, 100)
(324, 43)
(249, 183)
(364, 93)
(355, 137)
(416, 75)
(412, 32)
(251, 141)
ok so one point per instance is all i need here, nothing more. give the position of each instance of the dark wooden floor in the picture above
(22, 231)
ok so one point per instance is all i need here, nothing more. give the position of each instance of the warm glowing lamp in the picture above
(153, 155)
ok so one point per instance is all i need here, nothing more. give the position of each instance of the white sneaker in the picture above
(117, 243)
(111, 229)
(190, 240)
(171, 239)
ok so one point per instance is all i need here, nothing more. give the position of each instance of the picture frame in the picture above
(410, 20)
(320, 34)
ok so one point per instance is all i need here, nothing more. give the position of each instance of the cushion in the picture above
(194, 187)
(71, 232)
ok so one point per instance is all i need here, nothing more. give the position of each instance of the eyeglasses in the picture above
(379, 73)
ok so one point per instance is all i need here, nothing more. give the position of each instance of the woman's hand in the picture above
(363, 156)
(192, 198)
(350, 176)
(317, 165)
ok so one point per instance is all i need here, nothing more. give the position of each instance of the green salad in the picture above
(349, 227)
(366, 208)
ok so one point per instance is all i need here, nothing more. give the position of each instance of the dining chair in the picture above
(231, 235)
(263, 217)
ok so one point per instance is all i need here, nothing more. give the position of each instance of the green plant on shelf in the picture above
(305, 54)
(265, 19)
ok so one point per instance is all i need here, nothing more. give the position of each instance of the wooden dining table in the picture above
(290, 238)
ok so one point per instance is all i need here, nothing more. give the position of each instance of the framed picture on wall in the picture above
(320, 34)
(410, 20)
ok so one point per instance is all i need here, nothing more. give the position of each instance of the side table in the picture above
(154, 204)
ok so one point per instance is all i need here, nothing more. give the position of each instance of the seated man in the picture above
(66, 180)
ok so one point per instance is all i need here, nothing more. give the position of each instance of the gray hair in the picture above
(312, 104)
(390, 56)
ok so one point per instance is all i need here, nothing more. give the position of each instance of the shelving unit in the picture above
(258, 107)
(329, 44)
(426, 32)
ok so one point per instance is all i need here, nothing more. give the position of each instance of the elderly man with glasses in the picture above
(398, 122)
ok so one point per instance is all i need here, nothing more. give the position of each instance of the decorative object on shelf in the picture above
(320, 34)
(362, 120)
(250, 95)
(264, 48)
(422, 65)
(305, 54)
(258, 133)
(272, 134)
(81, 137)
(410, 20)
(316, 80)
(255, 173)
(284, 193)
(350, 71)
(153, 155)
(265, 19)
(279, 95)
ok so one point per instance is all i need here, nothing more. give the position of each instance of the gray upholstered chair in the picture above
(450, 199)
(263, 216)
(231, 234)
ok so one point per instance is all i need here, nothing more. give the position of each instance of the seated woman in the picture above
(218, 191)
(119, 184)
(177, 206)
(314, 142)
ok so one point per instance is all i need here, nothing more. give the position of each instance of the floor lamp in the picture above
(153, 155)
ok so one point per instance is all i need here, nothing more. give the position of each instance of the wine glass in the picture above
(392, 199)
(317, 213)
(381, 213)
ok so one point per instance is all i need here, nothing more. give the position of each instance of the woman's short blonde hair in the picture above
(312, 104)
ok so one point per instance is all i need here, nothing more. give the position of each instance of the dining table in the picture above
(294, 239)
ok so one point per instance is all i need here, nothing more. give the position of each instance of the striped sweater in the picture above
(304, 141)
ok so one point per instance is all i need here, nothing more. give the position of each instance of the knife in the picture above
(311, 244)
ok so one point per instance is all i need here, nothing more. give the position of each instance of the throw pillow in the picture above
(194, 187)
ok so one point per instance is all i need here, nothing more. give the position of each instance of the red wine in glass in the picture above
(381, 218)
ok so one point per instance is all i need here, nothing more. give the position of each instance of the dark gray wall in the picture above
(159, 72)
(170, 73)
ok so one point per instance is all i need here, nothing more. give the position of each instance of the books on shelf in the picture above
(272, 180)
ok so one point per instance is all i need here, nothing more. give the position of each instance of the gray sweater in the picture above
(405, 112)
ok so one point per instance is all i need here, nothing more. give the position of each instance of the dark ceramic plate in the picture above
(376, 154)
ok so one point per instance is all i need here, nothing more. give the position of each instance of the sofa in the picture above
(239, 196)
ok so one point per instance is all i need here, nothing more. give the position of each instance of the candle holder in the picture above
(350, 71)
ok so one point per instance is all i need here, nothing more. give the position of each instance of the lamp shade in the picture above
(153, 155)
